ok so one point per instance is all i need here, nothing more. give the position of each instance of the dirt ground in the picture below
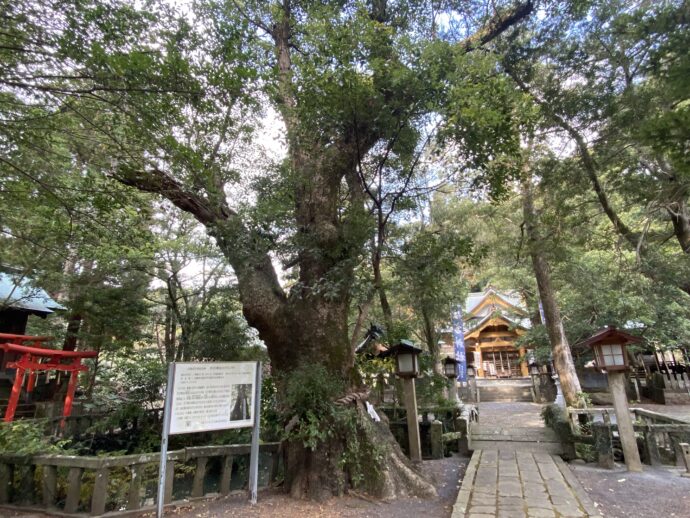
(659, 492)
(445, 473)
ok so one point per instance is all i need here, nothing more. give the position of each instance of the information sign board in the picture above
(212, 396)
(206, 396)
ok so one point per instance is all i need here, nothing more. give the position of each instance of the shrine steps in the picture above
(495, 390)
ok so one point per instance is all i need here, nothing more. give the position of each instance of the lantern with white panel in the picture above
(471, 372)
(406, 356)
(451, 368)
(611, 357)
(610, 354)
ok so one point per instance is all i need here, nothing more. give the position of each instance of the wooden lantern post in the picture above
(407, 368)
(610, 354)
(450, 370)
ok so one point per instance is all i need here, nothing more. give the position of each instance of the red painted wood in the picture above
(14, 396)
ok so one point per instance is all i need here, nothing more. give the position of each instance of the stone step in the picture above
(554, 448)
(487, 429)
(486, 382)
(517, 393)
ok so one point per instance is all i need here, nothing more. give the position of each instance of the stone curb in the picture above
(578, 490)
(460, 507)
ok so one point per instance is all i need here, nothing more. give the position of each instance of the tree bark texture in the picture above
(562, 356)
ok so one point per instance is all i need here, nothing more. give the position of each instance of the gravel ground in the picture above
(445, 473)
(657, 492)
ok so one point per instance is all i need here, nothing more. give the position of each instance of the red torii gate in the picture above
(34, 358)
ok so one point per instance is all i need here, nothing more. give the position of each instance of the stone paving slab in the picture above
(500, 483)
(517, 446)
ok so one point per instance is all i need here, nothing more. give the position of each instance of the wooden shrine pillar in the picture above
(524, 368)
(14, 396)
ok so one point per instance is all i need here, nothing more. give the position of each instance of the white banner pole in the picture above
(164, 440)
(254, 455)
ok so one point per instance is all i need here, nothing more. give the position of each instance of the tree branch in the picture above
(158, 182)
(497, 25)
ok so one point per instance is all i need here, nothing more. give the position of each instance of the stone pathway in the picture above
(513, 427)
(510, 484)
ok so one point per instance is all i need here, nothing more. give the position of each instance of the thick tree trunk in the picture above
(431, 340)
(562, 356)
(72, 333)
(681, 224)
(378, 285)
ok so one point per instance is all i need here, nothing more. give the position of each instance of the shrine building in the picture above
(493, 321)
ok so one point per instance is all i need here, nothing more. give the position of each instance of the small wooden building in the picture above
(20, 298)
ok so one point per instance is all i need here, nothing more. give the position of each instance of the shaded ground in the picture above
(446, 474)
(660, 492)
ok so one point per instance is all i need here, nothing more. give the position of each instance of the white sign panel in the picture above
(212, 396)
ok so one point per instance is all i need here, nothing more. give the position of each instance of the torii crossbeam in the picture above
(35, 358)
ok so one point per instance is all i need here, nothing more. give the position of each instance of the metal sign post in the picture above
(254, 455)
(207, 396)
(164, 440)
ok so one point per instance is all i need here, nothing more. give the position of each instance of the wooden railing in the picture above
(73, 484)
(661, 435)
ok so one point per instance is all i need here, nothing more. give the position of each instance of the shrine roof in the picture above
(521, 323)
(20, 293)
(474, 299)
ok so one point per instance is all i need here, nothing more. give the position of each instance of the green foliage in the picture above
(28, 438)
(556, 418)
(126, 383)
(310, 394)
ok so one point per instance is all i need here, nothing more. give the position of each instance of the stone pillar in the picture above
(625, 425)
(436, 435)
(685, 451)
(602, 443)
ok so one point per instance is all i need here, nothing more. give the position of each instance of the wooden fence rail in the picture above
(61, 479)
(660, 436)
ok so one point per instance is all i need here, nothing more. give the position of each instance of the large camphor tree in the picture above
(168, 104)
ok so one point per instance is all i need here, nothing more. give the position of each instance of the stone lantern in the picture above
(406, 358)
(610, 355)
(451, 367)
(407, 367)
